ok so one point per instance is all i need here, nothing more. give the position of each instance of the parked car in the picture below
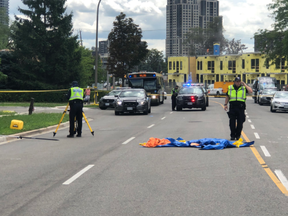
(264, 96)
(133, 101)
(279, 101)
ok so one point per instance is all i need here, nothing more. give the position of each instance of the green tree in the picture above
(200, 39)
(126, 49)
(274, 43)
(87, 67)
(154, 61)
(47, 52)
(4, 29)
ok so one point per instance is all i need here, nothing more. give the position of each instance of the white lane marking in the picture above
(252, 126)
(77, 175)
(282, 178)
(257, 135)
(127, 141)
(151, 126)
(171, 112)
(247, 116)
(163, 118)
(249, 120)
(265, 151)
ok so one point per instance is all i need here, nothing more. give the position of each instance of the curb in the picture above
(6, 138)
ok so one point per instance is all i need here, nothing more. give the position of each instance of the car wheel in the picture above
(203, 108)
(207, 103)
(178, 108)
(117, 113)
(149, 111)
(103, 108)
(271, 109)
(146, 111)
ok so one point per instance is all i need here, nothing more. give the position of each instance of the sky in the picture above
(241, 19)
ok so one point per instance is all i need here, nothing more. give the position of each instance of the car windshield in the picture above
(132, 94)
(269, 91)
(281, 94)
(113, 93)
(190, 91)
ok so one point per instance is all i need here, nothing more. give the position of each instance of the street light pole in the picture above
(96, 50)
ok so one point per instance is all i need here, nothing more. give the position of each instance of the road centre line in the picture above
(282, 178)
(77, 175)
(163, 118)
(252, 126)
(257, 135)
(151, 126)
(273, 177)
(265, 151)
(127, 141)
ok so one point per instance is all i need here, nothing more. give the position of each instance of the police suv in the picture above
(191, 96)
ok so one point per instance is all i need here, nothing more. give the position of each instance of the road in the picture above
(111, 174)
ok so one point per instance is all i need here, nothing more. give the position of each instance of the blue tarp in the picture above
(205, 144)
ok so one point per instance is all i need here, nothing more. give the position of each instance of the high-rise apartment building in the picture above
(3, 17)
(181, 15)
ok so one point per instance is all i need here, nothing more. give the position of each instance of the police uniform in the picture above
(76, 96)
(174, 93)
(237, 106)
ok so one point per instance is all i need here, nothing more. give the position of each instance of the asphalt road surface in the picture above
(111, 174)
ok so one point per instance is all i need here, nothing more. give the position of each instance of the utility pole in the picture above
(96, 50)
(81, 39)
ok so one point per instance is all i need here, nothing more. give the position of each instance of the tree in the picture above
(200, 40)
(4, 29)
(126, 49)
(274, 43)
(234, 47)
(154, 61)
(47, 53)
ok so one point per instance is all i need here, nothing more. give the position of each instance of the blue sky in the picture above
(242, 18)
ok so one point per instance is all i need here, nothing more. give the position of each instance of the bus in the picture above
(152, 82)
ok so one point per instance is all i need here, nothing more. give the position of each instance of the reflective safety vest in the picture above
(76, 93)
(237, 95)
(174, 91)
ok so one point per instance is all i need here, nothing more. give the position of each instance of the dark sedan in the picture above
(133, 101)
(191, 97)
(108, 100)
(265, 96)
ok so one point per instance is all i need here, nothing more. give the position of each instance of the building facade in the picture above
(181, 15)
(211, 68)
(4, 4)
(103, 47)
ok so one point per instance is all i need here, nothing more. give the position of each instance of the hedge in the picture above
(48, 97)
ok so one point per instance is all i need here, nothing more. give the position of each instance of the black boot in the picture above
(70, 135)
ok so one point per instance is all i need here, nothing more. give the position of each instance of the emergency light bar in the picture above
(142, 75)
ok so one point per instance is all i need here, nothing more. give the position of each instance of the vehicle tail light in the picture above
(192, 99)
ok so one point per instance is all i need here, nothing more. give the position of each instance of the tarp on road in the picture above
(202, 144)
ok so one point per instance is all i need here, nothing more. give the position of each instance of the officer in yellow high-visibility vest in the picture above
(75, 95)
(236, 95)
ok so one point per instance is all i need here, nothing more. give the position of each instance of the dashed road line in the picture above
(257, 135)
(249, 120)
(151, 126)
(77, 175)
(163, 118)
(247, 116)
(127, 141)
(171, 112)
(252, 126)
(265, 151)
(282, 178)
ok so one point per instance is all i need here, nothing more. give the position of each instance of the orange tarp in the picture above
(153, 142)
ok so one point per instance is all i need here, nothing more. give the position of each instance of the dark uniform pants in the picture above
(173, 98)
(75, 111)
(236, 114)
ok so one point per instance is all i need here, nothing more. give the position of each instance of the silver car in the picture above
(265, 96)
(279, 101)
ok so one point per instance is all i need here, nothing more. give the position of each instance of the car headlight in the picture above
(141, 102)
(153, 96)
(119, 102)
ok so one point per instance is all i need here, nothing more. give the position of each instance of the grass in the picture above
(36, 104)
(31, 122)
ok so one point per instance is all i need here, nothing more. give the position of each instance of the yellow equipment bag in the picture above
(16, 124)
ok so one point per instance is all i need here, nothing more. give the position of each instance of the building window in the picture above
(252, 63)
(267, 63)
(170, 65)
(173, 65)
(177, 66)
(180, 65)
(282, 65)
(211, 66)
(221, 65)
(198, 65)
(243, 63)
(232, 66)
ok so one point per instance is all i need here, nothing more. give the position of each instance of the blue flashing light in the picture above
(154, 75)
(130, 76)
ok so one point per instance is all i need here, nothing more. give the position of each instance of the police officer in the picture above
(75, 95)
(236, 95)
(174, 93)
